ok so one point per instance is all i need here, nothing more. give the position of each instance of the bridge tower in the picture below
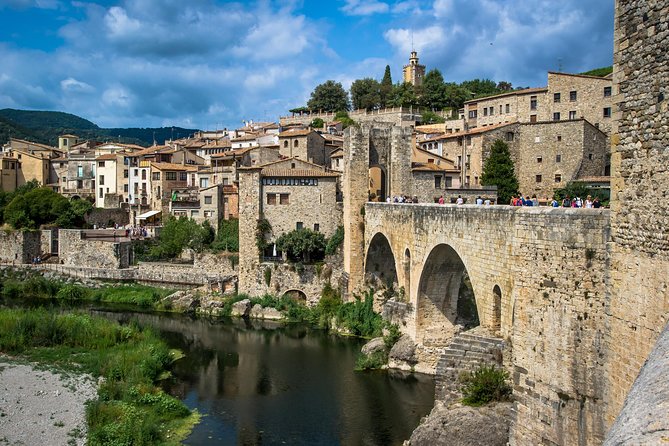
(374, 144)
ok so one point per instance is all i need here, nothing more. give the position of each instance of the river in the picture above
(265, 383)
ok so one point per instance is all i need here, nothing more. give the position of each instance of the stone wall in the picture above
(49, 238)
(639, 286)
(249, 213)
(19, 246)
(103, 217)
(76, 250)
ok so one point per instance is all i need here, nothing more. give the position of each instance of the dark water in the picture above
(269, 384)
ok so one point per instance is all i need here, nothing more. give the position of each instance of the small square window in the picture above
(590, 156)
(572, 114)
(437, 182)
(538, 178)
(556, 97)
(558, 178)
(607, 112)
(507, 108)
(271, 198)
(207, 199)
(299, 225)
(485, 111)
(607, 92)
(284, 199)
(317, 227)
(558, 158)
(533, 102)
(556, 116)
(573, 95)
(559, 138)
(539, 159)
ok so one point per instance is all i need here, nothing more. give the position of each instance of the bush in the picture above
(179, 234)
(373, 361)
(302, 245)
(72, 292)
(335, 241)
(484, 385)
(359, 316)
(227, 238)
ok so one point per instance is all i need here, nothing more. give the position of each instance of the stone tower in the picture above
(414, 72)
(373, 144)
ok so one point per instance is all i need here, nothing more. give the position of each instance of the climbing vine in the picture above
(263, 227)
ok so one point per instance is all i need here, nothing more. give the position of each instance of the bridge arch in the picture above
(445, 299)
(380, 264)
(296, 295)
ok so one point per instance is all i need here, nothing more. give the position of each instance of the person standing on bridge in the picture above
(459, 200)
(441, 200)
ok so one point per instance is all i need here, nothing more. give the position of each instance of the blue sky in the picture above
(211, 63)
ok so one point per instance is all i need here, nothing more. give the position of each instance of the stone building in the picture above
(113, 182)
(305, 144)
(8, 174)
(167, 177)
(414, 72)
(567, 97)
(432, 175)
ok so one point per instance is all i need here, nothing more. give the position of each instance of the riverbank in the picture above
(42, 407)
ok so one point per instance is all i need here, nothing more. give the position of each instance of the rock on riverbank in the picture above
(42, 407)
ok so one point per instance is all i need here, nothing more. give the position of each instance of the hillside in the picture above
(599, 72)
(46, 126)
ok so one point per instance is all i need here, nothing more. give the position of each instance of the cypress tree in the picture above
(498, 171)
(386, 87)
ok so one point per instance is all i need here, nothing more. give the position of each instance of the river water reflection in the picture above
(271, 384)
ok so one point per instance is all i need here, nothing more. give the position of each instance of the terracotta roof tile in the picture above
(298, 173)
(172, 166)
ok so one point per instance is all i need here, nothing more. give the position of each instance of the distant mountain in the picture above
(46, 126)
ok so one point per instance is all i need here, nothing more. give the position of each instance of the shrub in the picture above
(227, 238)
(72, 292)
(302, 245)
(484, 385)
(375, 360)
(334, 241)
(359, 316)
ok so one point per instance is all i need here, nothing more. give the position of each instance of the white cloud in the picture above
(424, 39)
(119, 24)
(72, 85)
(365, 7)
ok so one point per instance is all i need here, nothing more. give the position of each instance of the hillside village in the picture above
(556, 134)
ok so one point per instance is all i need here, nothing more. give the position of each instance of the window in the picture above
(537, 139)
(101, 193)
(538, 178)
(317, 227)
(437, 182)
(271, 198)
(472, 114)
(285, 143)
(533, 118)
(558, 178)
(80, 184)
(296, 143)
(492, 111)
(144, 174)
(500, 109)
(539, 159)
(64, 180)
(607, 112)
(572, 114)
(284, 199)
(590, 156)
(125, 173)
(125, 188)
(572, 95)
(485, 111)
(299, 225)
(469, 140)
(102, 180)
(80, 171)
(207, 199)
(469, 157)
(556, 97)
(533, 102)
(183, 176)
(136, 172)
(558, 158)
(170, 176)
(449, 182)
(155, 176)
(204, 182)
(507, 108)
(556, 116)
(509, 136)
(194, 213)
(559, 138)
(101, 164)
(607, 92)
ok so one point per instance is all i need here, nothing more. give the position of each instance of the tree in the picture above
(366, 94)
(386, 87)
(456, 96)
(428, 117)
(344, 118)
(329, 96)
(35, 207)
(504, 86)
(181, 233)
(480, 87)
(317, 123)
(403, 95)
(498, 171)
(227, 238)
(302, 245)
(434, 91)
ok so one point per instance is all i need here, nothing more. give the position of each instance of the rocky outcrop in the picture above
(266, 313)
(458, 425)
(403, 354)
(241, 308)
(373, 346)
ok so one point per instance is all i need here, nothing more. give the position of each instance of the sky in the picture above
(211, 64)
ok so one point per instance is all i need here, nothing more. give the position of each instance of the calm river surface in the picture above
(264, 384)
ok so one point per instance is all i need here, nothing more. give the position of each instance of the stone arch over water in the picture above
(445, 300)
(380, 262)
(296, 295)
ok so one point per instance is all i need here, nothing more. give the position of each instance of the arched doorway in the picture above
(297, 295)
(380, 263)
(496, 308)
(446, 302)
(377, 184)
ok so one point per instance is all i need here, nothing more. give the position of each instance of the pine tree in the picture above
(498, 171)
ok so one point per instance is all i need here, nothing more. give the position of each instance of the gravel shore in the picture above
(39, 407)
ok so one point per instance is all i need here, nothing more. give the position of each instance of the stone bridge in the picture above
(538, 277)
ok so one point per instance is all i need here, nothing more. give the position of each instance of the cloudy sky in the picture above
(211, 63)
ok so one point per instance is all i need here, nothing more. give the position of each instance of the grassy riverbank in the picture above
(130, 409)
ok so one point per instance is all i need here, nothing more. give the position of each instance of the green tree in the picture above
(403, 95)
(345, 120)
(366, 94)
(504, 86)
(386, 87)
(317, 123)
(227, 238)
(302, 245)
(31, 207)
(179, 234)
(329, 96)
(498, 171)
(456, 96)
(428, 117)
(480, 87)
(434, 91)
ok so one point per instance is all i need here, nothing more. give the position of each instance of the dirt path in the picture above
(39, 407)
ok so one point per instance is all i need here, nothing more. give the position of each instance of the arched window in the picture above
(296, 143)
(285, 143)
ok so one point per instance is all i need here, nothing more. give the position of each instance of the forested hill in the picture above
(46, 126)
